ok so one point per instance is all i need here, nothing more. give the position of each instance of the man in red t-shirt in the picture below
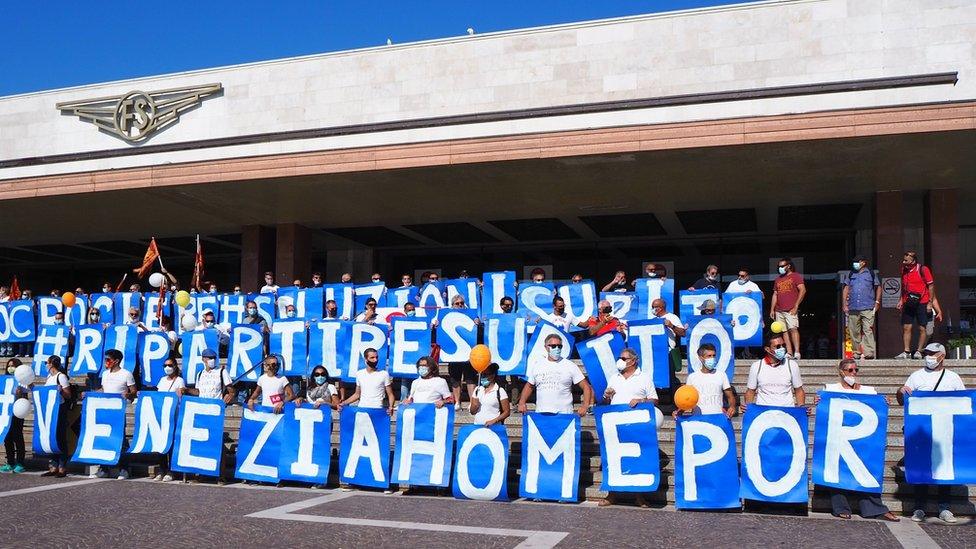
(604, 322)
(788, 292)
(917, 301)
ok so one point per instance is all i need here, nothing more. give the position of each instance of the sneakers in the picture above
(158, 478)
(918, 515)
(6, 468)
(947, 517)
(18, 468)
(796, 356)
(904, 356)
(99, 473)
(167, 478)
(123, 474)
(857, 356)
(916, 356)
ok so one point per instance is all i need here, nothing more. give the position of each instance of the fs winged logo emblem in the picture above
(135, 116)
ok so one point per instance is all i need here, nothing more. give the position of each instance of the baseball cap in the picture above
(860, 257)
(934, 348)
(208, 353)
(707, 304)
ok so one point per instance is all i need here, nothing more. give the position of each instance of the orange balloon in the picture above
(686, 397)
(480, 357)
(68, 299)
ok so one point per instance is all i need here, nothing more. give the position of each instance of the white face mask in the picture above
(621, 364)
(168, 370)
(850, 380)
(931, 362)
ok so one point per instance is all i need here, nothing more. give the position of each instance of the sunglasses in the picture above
(133, 316)
(556, 346)
(624, 357)
(459, 304)
(852, 370)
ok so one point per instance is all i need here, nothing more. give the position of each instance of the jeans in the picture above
(14, 443)
(922, 497)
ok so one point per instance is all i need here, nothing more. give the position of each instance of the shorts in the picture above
(919, 314)
(461, 371)
(792, 322)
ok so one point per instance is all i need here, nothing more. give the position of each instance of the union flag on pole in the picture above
(197, 267)
(152, 254)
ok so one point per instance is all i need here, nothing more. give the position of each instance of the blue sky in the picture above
(63, 43)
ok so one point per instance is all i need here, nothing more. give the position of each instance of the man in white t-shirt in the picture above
(933, 377)
(211, 382)
(714, 390)
(742, 285)
(372, 384)
(269, 284)
(566, 321)
(630, 385)
(774, 380)
(552, 380)
(274, 391)
(118, 381)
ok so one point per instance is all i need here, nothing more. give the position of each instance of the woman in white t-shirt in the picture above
(274, 391)
(172, 382)
(490, 403)
(57, 375)
(430, 388)
(320, 391)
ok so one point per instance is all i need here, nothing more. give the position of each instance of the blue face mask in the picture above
(709, 363)
(411, 313)
(291, 314)
(319, 380)
(485, 382)
(555, 353)
(782, 270)
(857, 265)
(252, 312)
(423, 371)
(780, 353)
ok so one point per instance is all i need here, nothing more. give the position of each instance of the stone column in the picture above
(257, 255)
(941, 228)
(889, 244)
(293, 254)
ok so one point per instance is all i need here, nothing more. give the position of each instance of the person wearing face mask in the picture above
(860, 301)
(346, 278)
(618, 284)
(710, 280)
(269, 284)
(604, 321)
(552, 380)
(290, 312)
(251, 316)
(917, 299)
(172, 382)
(14, 442)
(788, 293)
(774, 380)
(237, 290)
(490, 403)
(429, 388)
(561, 318)
(506, 304)
(715, 394)
(58, 319)
(656, 271)
(675, 331)
(211, 382)
(630, 386)
(320, 391)
(57, 375)
(870, 505)
(317, 280)
(107, 288)
(933, 377)
(210, 323)
(133, 318)
(742, 284)
(372, 384)
(273, 390)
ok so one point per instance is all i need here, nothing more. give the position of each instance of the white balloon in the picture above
(22, 407)
(188, 322)
(24, 374)
(659, 417)
(156, 280)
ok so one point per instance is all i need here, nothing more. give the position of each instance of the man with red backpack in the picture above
(917, 299)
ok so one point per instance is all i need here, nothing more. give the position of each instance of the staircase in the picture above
(886, 376)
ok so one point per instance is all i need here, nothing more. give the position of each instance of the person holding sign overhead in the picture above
(933, 377)
(552, 380)
(774, 380)
(869, 505)
(372, 384)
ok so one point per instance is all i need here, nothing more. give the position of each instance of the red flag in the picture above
(152, 254)
(14, 290)
(197, 267)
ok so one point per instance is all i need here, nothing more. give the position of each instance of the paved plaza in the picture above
(77, 511)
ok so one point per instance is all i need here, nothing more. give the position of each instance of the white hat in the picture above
(934, 348)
